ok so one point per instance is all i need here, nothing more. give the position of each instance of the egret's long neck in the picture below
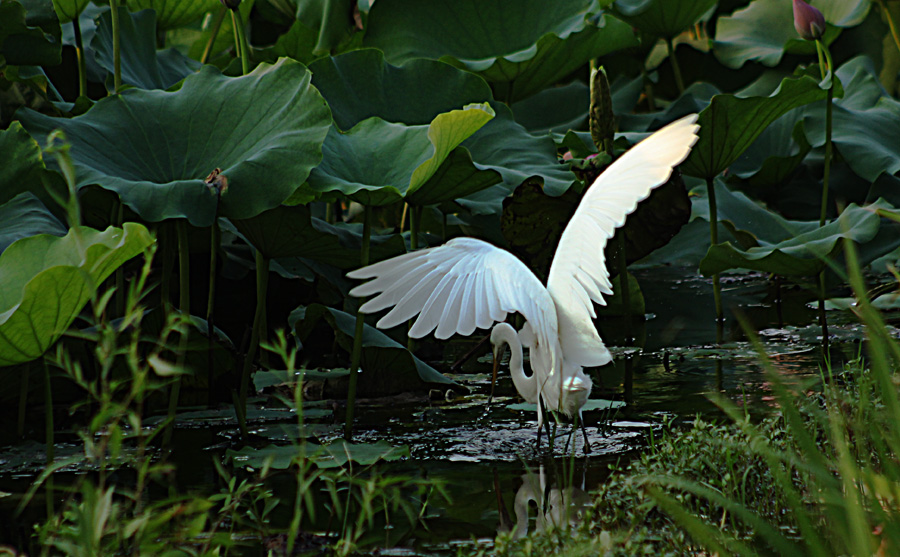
(527, 386)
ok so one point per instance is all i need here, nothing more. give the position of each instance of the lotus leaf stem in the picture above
(822, 50)
(355, 356)
(241, 38)
(184, 305)
(117, 51)
(214, 239)
(79, 55)
(48, 434)
(262, 283)
(892, 25)
(714, 240)
(623, 287)
(23, 401)
(214, 32)
(676, 69)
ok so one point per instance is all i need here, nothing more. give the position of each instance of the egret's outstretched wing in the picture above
(457, 287)
(578, 274)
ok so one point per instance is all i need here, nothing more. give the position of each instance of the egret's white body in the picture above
(467, 283)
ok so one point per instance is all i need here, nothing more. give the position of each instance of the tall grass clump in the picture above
(836, 478)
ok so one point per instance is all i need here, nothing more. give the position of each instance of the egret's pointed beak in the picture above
(498, 355)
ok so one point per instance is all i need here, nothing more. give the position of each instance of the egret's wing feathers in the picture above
(578, 274)
(457, 287)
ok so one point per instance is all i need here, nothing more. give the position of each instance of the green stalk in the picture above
(413, 227)
(714, 239)
(623, 286)
(79, 54)
(48, 435)
(184, 304)
(891, 24)
(357, 336)
(120, 272)
(23, 402)
(214, 239)
(165, 286)
(241, 36)
(262, 283)
(117, 54)
(676, 69)
(214, 32)
(821, 48)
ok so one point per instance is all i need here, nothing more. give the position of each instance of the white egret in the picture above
(468, 283)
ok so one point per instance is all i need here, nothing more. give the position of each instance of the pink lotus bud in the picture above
(808, 21)
(567, 156)
(591, 156)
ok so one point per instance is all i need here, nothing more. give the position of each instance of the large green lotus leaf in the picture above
(417, 91)
(142, 65)
(379, 162)
(24, 216)
(730, 124)
(292, 232)
(865, 122)
(29, 34)
(800, 255)
(764, 30)
(776, 153)
(663, 18)
(521, 47)
(264, 130)
(174, 13)
(67, 10)
(387, 366)
(46, 280)
(23, 165)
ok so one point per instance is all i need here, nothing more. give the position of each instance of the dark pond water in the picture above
(486, 456)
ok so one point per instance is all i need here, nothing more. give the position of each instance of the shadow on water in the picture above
(486, 456)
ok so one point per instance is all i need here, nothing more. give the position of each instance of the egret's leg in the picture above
(540, 423)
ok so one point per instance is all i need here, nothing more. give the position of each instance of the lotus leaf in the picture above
(45, 281)
(800, 255)
(24, 216)
(764, 30)
(417, 91)
(297, 43)
(23, 167)
(174, 13)
(142, 65)
(292, 232)
(67, 10)
(155, 148)
(388, 367)
(776, 153)
(520, 48)
(379, 162)
(663, 18)
(865, 122)
(730, 124)
(29, 36)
